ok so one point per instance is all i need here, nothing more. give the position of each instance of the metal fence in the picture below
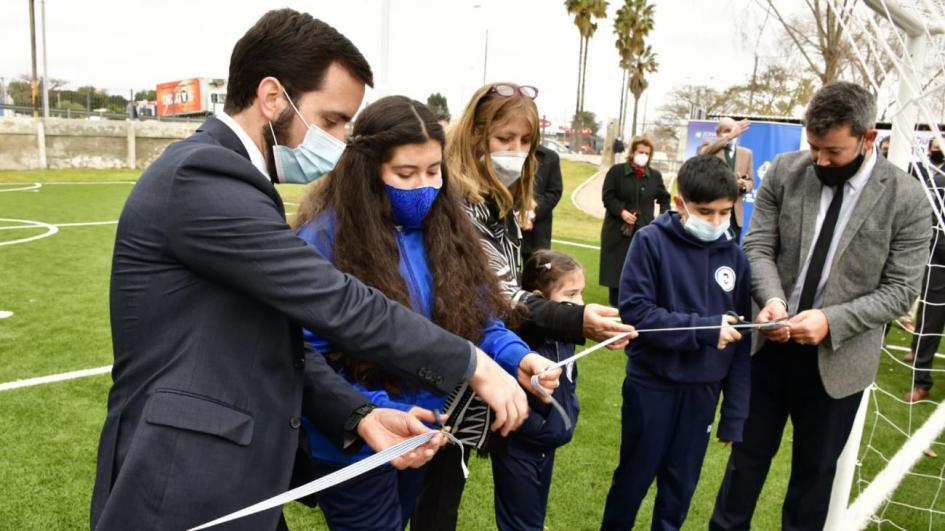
(82, 114)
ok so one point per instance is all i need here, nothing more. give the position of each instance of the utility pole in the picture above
(42, 18)
(485, 58)
(33, 87)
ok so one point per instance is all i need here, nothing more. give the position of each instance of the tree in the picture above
(21, 91)
(690, 101)
(146, 95)
(818, 36)
(778, 90)
(643, 64)
(587, 120)
(633, 24)
(584, 11)
(438, 106)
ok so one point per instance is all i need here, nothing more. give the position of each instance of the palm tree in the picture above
(584, 11)
(633, 24)
(624, 45)
(644, 63)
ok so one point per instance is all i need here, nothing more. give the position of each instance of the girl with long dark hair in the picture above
(389, 216)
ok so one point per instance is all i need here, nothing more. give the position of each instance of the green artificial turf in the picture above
(57, 288)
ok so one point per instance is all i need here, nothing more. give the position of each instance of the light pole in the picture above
(485, 53)
(33, 90)
(42, 20)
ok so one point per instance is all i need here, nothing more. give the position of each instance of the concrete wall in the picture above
(26, 144)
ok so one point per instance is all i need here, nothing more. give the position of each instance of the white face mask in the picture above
(640, 159)
(702, 229)
(508, 165)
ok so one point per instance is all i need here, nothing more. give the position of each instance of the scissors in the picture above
(770, 325)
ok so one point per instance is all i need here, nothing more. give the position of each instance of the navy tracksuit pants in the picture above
(786, 383)
(522, 476)
(379, 500)
(665, 433)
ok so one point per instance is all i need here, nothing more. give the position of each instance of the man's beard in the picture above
(281, 129)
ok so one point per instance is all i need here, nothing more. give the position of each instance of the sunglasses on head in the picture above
(505, 90)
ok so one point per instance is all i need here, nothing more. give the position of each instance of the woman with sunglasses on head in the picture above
(491, 155)
(388, 215)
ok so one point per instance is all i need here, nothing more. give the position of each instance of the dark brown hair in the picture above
(841, 103)
(545, 269)
(296, 49)
(465, 290)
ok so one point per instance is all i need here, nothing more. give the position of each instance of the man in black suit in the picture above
(931, 313)
(547, 192)
(209, 291)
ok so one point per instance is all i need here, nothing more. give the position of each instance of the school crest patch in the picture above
(725, 277)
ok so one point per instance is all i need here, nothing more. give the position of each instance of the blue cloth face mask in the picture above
(315, 156)
(702, 229)
(410, 207)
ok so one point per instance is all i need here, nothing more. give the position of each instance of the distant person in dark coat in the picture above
(630, 191)
(547, 193)
(931, 311)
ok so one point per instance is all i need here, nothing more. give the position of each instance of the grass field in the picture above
(57, 289)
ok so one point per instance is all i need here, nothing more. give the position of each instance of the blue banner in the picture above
(766, 140)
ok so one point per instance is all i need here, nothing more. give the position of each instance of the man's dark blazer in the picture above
(209, 290)
(547, 193)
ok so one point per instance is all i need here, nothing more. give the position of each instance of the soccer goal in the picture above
(892, 472)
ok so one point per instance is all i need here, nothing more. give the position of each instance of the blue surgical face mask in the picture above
(315, 156)
(702, 229)
(410, 207)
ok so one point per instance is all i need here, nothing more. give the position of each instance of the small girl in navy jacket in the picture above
(522, 463)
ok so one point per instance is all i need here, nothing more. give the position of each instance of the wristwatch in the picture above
(351, 425)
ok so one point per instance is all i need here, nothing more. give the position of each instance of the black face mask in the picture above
(836, 175)
(937, 157)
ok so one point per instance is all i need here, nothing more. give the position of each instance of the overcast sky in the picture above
(435, 46)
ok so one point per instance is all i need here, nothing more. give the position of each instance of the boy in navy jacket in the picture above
(682, 271)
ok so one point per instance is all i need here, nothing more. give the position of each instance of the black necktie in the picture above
(815, 269)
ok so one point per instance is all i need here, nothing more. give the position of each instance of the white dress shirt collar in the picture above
(255, 155)
(862, 175)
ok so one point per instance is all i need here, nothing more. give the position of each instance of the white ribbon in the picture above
(340, 476)
(564, 415)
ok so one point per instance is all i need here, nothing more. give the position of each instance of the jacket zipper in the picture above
(413, 287)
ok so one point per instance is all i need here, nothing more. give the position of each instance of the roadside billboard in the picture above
(179, 97)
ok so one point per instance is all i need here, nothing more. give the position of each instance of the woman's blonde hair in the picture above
(467, 150)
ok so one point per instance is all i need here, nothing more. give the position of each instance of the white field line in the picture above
(25, 188)
(50, 230)
(61, 377)
(87, 182)
(79, 224)
(575, 244)
(87, 223)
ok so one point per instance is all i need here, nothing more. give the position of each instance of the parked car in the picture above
(555, 146)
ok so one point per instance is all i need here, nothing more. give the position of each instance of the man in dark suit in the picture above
(209, 291)
(838, 240)
(547, 192)
(931, 313)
